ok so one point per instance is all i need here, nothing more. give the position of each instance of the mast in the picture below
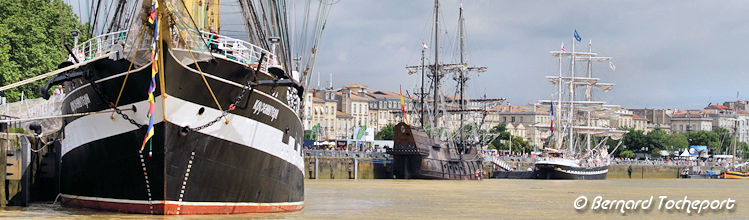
(570, 120)
(735, 133)
(422, 89)
(588, 93)
(462, 75)
(436, 63)
(559, 105)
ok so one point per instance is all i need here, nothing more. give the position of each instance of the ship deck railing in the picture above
(99, 45)
(237, 50)
(347, 154)
(232, 48)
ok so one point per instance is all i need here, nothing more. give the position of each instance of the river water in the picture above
(486, 199)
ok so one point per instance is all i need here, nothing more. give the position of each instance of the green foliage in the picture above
(636, 140)
(742, 150)
(657, 141)
(386, 133)
(678, 141)
(719, 141)
(725, 140)
(627, 154)
(708, 138)
(518, 144)
(31, 41)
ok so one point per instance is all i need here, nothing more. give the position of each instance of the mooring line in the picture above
(145, 175)
(184, 183)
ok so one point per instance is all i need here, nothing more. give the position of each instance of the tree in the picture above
(386, 133)
(657, 141)
(636, 140)
(627, 154)
(742, 150)
(678, 141)
(501, 131)
(725, 138)
(32, 33)
(518, 144)
(707, 138)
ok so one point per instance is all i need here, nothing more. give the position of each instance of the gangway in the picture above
(497, 161)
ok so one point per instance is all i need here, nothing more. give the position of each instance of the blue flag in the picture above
(577, 37)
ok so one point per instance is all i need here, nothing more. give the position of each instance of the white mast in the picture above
(588, 93)
(570, 119)
(559, 104)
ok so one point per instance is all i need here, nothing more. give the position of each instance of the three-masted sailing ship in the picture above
(571, 152)
(173, 118)
(427, 152)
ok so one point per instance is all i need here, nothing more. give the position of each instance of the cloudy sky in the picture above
(668, 54)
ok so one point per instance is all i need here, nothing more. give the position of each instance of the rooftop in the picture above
(354, 85)
(340, 114)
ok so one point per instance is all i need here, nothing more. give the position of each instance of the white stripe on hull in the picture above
(577, 172)
(240, 130)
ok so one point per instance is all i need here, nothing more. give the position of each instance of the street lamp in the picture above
(75, 34)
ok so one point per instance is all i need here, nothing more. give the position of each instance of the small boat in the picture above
(734, 174)
(707, 174)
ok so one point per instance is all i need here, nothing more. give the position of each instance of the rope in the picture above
(43, 76)
(201, 72)
(137, 45)
(57, 116)
(162, 79)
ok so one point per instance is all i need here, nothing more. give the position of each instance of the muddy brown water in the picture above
(486, 199)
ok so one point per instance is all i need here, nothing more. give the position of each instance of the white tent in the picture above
(685, 154)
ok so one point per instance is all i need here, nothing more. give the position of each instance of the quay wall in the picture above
(346, 168)
(368, 168)
(619, 171)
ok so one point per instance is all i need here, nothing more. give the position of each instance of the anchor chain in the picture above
(247, 89)
(103, 97)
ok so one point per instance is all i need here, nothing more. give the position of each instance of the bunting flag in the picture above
(577, 37)
(153, 20)
(403, 107)
(551, 116)
(424, 45)
(563, 48)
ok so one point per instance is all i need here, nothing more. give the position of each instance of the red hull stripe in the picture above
(171, 207)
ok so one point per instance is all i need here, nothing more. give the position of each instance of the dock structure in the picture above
(30, 171)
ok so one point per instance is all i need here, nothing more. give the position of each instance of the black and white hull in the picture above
(249, 161)
(568, 169)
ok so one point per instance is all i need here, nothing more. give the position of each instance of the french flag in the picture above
(552, 117)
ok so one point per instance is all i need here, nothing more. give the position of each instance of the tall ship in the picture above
(578, 145)
(167, 116)
(439, 148)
